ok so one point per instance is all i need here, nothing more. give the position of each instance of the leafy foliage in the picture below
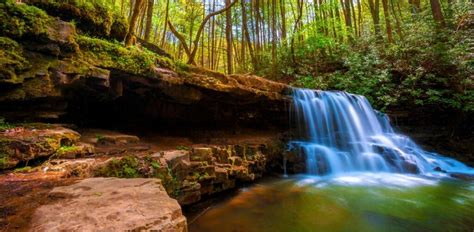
(427, 68)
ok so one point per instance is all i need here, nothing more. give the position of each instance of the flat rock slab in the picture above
(110, 204)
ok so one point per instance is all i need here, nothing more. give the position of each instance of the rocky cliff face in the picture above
(51, 73)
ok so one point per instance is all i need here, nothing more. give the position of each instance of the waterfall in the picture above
(339, 132)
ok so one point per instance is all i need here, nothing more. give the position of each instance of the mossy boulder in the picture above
(21, 20)
(43, 33)
(91, 18)
(23, 143)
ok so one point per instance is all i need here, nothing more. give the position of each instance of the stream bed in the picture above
(350, 202)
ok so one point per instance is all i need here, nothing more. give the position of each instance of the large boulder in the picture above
(118, 205)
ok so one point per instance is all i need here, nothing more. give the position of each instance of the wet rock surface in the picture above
(119, 204)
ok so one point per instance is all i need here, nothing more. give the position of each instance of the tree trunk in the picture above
(388, 26)
(140, 31)
(274, 38)
(283, 22)
(359, 15)
(122, 7)
(437, 14)
(130, 37)
(244, 28)
(257, 26)
(397, 20)
(149, 17)
(163, 38)
(346, 8)
(374, 12)
(298, 18)
(228, 35)
(354, 19)
(213, 37)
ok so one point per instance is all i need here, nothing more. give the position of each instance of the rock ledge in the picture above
(110, 204)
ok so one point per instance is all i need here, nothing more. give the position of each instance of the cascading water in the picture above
(341, 132)
(360, 169)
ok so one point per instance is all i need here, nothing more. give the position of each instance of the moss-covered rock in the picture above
(27, 142)
(114, 55)
(92, 18)
(12, 61)
(75, 151)
(132, 166)
(23, 22)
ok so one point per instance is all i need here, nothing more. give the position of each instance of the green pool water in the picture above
(355, 202)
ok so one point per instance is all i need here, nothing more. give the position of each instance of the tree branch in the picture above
(180, 38)
(201, 28)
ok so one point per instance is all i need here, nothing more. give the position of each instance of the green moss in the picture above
(183, 148)
(23, 169)
(148, 167)
(113, 55)
(12, 61)
(93, 18)
(155, 164)
(20, 20)
(3, 161)
(67, 149)
(126, 167)
(100, 138)
(200, 176)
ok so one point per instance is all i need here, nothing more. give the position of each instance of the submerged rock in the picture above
(118, 205)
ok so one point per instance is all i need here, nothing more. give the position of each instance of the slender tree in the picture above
(167, 9)
(149, 18)
(274, 36)
(243, 31)
(130, 37)
(388, 26)
(228, 35)
(283, 22)
(374, 12)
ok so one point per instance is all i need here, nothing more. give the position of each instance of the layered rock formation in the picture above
(52, 73)
(189, 170)
(78, 79)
